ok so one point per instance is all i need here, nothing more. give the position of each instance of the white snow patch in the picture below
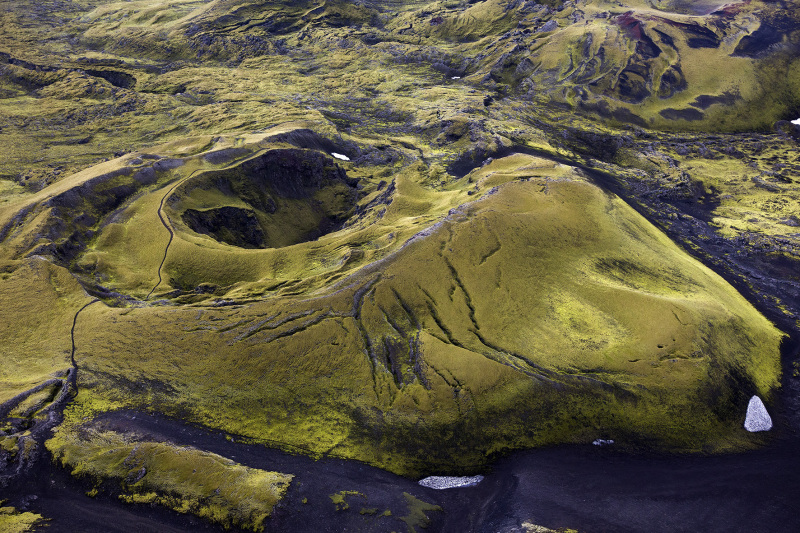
(459, 77)
(340, 156)
(758, 418)
(602, 442)
(450, 482)
(796, 121)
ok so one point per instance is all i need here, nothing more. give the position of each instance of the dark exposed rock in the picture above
(550, 25)
(115, 77)
(758, 42)
(224, 156)
(681, 114)
(292, 195)
(702, 38)
(294, 173)
(788, 128)
(633, 82)
(231, 225)
(672, 82)
(310, 140)
(665, 38)
(705, 101)
(620, 114)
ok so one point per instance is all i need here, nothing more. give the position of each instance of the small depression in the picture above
(278, 199)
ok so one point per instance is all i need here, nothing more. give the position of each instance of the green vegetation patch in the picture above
(181, 478)
(14, 521)
(339, 499)
(417, 509)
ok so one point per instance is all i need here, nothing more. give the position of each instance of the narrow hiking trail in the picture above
(165, 223)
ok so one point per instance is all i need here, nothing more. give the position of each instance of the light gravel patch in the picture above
(450, 482)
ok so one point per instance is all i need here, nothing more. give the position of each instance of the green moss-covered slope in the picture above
(442, 324)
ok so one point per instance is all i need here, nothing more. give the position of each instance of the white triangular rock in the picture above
(758, 418)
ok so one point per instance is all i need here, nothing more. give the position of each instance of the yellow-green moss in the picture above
(417, 509)
(546, 305)
(13, 521)
(339, 499)
(181, 478)
(549, 310)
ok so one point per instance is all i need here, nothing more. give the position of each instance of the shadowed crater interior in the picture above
(231, 225)
(281, 198)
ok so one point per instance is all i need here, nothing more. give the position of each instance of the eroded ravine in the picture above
(32, 426)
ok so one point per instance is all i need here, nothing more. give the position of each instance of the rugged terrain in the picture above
(418, 235)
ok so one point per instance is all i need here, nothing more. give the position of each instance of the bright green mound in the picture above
(545, 312)
(445, 322)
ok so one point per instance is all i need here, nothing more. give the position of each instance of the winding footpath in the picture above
(166, 224)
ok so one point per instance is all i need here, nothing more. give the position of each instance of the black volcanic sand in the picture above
(586, 487)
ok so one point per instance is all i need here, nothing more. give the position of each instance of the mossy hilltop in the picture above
(520, 292)
(416, 234)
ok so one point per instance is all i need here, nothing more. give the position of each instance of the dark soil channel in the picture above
(115, 77)
(583, 487)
